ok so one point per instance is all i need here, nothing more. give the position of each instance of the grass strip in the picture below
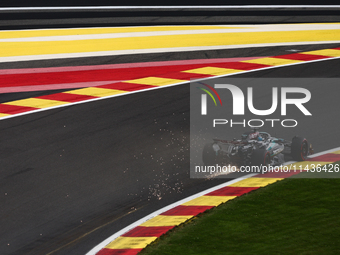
(293, 216)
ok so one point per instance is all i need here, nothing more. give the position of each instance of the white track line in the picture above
(213, 30)
(148, 51)
(62, 8)
(232, 27)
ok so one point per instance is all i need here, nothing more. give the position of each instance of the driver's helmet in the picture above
(248, 136)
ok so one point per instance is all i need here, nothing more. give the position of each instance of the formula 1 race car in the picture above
(255, 149)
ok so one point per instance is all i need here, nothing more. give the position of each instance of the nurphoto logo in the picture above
(288, 97)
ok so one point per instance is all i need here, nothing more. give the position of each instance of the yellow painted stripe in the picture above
(209, 200)
(307, 164)
(3, 115)
(36, 103)
(255, 182)
(326, 52)
(212, 70)
(89, 31)
(8, 49)
(123, 242)
(96, 92)
(155, 81)
(272, 61)
(163, 220)
(336, 152)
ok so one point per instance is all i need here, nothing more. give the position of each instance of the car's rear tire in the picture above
(260, 157)
(299, 148)
(209, 155)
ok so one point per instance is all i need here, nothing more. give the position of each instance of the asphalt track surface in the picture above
(36, 19)
(69, 171)
(71, 177)
(145, 3)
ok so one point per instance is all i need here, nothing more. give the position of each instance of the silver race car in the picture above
(256, 149)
